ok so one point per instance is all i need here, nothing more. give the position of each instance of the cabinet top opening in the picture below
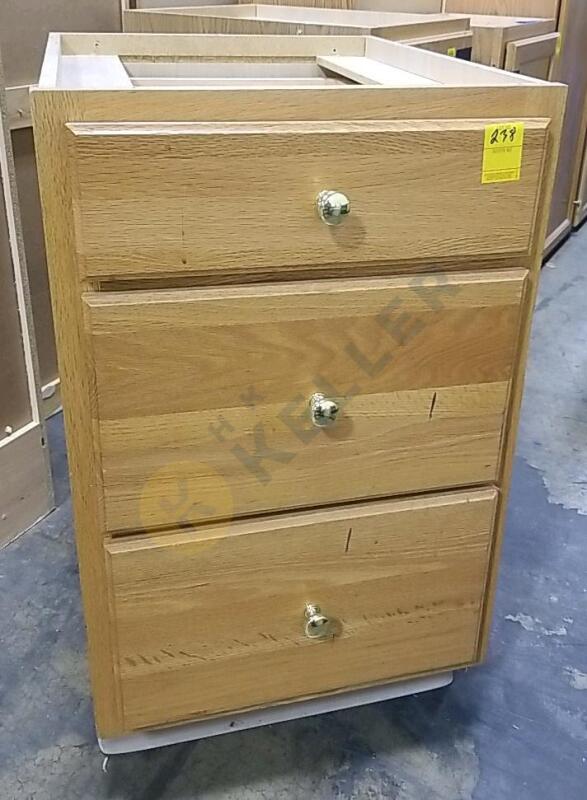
(163, 62)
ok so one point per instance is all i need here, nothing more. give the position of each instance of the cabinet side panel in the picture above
(556, 113)
(50, 113)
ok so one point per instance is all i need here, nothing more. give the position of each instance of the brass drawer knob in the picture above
(332, 206)
(323, 410)
(317, 625)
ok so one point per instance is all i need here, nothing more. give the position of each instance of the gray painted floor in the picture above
(514, 729)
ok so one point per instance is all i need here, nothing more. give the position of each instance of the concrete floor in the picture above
(514, 729)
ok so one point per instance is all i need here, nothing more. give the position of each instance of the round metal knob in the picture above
(317, 625)
(332, 206)
(323, 410)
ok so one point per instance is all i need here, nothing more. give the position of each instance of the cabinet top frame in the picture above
(94, 62)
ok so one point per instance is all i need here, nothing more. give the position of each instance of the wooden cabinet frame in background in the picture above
(22, 39)
(26, 492)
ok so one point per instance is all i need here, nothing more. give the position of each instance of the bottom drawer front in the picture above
(213, 620)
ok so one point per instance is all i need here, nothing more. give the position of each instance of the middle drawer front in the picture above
(214, 620)
(203, 396)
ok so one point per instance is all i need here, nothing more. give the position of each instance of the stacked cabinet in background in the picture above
(25, 481)
(569, 203)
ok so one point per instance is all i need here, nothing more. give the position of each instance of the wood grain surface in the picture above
(202, 396)
(198, 198)
(213, 620)
(116, 600)
(507, 8)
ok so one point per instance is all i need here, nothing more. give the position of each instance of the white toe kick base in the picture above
(146, 740)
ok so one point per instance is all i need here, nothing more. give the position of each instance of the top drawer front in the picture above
(240, 197)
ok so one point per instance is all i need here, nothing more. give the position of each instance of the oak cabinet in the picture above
(293, 280)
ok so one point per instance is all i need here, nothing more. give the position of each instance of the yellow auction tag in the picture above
(502, 152)
(452, 51)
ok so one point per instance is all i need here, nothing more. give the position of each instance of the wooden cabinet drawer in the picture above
(162, 199)
(213, 620)
(203, 395)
